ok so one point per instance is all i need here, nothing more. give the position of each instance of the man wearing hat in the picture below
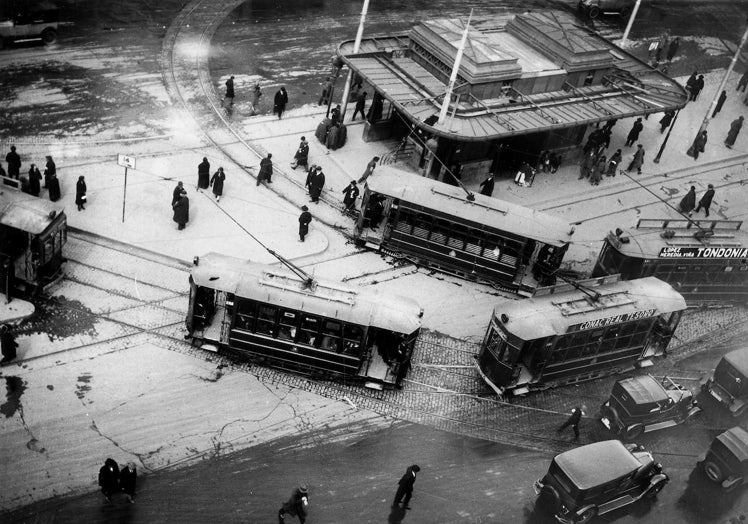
(296, 505)
(304, 219)
(182, 209)
(706, 200)
(405, 486)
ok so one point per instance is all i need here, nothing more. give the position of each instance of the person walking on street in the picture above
(720, 103)
(304, 219)
(732, 135)
(35, 180)
(350, 195)
(673, 48)
(203, 174)
(54, 188)
(49, 169)
(486, 187)
(691, 82)
(109, 478)
(127, 479)
(296, 505)
(80, 193)
(256, 94)
(706, 200)
(743, 82)
(698, 85)
(597, 171)
(177, 193)
(661, 45)
(360, 105)
(369, 170)
(405, 486)
(8, 344)
(615, 159)
(633, 135)
(316, 184)
(638, 160)
(688, 202)
(301, 157)
(574, 420)
(585, 167)
(182, 210)
(325, 96)
(699, 144)
(266, 170)
(230, 91)
(666, 120)
(14, 163)
(217, 182)
(279, 102)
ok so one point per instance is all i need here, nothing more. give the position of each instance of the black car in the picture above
(596, 479)
(19, 23)
(729, 385)
(726, 462)
(595, 8)
(641, 404)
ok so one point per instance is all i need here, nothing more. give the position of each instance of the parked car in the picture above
(641, 404)
(594, 8)
(596, 479)
(726, 462)
(26, 25)
(729, 385)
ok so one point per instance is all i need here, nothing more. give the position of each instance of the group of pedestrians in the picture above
(31, 182)
(688, 206)
(112, 480)
(280, 100)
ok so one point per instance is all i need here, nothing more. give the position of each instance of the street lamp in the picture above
(662, 147)
(631, 22)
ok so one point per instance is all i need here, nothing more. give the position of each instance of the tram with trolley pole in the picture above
(451, 229)
(705, 260)
(284, 318)
(33, 232)
(578, 331)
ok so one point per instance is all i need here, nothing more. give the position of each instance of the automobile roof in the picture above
(738, 359)
(643, 389)
(596, 464)
(736, 441)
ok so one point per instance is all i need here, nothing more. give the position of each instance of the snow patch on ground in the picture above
(38, 94)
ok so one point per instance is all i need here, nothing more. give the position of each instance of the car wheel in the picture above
(49, 36)
(654, 490)
(625, 12)
(587, 516)
(713, 471)
(634, 431)
(549, 500)
(594, 12)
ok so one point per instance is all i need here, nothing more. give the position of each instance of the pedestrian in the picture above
(301, 157)
(14, 163)
(49, 169)
(525, 172)
(8, 344)
(732, 135)
(280, 101)
(594, 140)
(256, 94)
(666, 120)
(80, 193)
(335, 115)
(609, 124)
(405, 486)
(177, 193)
(203, 174)
(2, 171)
(615, 159)
(688, 202)
(54, 188)
(360, 105)
(691, 81)
(266, 170)
(486, 187)
(304, 219)
(633, 135)
(230, 90)
(661, 45)
(295, 505)
(325, 97)
(556, 160)
(182, 210)
(706, 200)
(574, 420)
(585, 168)
(35, 180)
(698, 85)
(109, 478)
(605, 143)
(720, 103)
(743, 82)
(316, 184)
(699, 144)
(673, 48)
(217, 182)
(369, 169)
(544, 161)
(350, 195)
(638, 161)
(375, 211)
(127, 479)
(597, 170)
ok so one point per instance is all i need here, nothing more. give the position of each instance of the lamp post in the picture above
(630, 23)
(670, 129)
(356, 45)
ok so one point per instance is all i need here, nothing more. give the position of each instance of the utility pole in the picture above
(455, 69)
(356, 45)
(631, 22)
(667, 137)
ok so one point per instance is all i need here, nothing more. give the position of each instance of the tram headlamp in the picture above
(452, 253)
(195, 261)
(496, 251)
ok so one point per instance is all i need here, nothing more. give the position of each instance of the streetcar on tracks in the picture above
(281, 317)
(33, 232)
(474, 236)
(706, 261)
(573, 332)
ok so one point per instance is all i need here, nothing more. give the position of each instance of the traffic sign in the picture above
(126, 161)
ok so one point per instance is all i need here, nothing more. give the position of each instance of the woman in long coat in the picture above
(203, 174)
(688, 202)
(217, 183)
(351, 193)
(80, 193)
(182, 210)
(638, 160)
(732, 135)
(35, 178)
(54, 188)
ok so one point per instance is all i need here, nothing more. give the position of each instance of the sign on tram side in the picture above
(608, 321)
(703, 252)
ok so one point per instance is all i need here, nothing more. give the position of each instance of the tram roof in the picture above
(597, 464)
(452, 200)
(555, 314)
(648, 242)
(26, 212)
(282, 287)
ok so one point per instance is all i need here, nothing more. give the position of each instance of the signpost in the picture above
(125, 161)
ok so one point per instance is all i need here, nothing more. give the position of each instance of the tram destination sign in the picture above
(704, 252)
(609, 321)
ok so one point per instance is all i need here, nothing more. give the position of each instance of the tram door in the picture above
(660, 334)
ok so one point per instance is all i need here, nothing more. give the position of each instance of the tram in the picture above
(705, 260)
(283, 318)
(475, 236)
(32, 234)
(574, 332)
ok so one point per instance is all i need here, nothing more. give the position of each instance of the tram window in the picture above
(287, 324)
(49, 248)
(265, 319)
(638, 339)
(439, 232)
(245, 315)
(457, 237)
(623, 342)
(309, 330)
(422, 226)
(352, 335)
(331, 335)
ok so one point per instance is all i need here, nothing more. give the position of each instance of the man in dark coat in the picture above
(699, 144)
(127, 479)
(14, 163)
(574, 419)
(335, 115)
(691, 81)
(326, 87)
(203, 174)
(280, 101)
(109, 478)
(633, 135)
(688, 202)
(304, 219)
(638, 161)
(35, 180)
(182, 210)
(360, 105)
(706, 200)
(615, 159)
(316, 184)
(405, 486)
(266, 170)
(486, 187)
(732, 135)
(375, 211)
(696, 88)
(350, 195)
(80, 193)
(295, 505)
(743, 82)
(8, 344)
(49, 169)
(301, 157)
(217, 182)
(177, 193)
(230, 90)
(54, 188)
(720, 103)
(666, 120)
(673, 48)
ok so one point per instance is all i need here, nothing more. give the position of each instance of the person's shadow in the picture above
(397, 514)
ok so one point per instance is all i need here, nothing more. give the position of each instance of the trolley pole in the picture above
(125, 161)
(356, 45)
(630, 23)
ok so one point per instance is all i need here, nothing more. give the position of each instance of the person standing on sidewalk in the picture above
(743, 82)
(690, 82)
(720, 103)
(638, 160)
(688, 202)
(280, 101)
(266, 170)
(360, 105)
(633, 135)
(316, 184)
(230, 91)
(49, 169)
(574, 420)
(615, 159)
(127, 479)
(405, 486)
(54, 188)
(698, 85)
(486, 187)
(699, 144)
(109, 478)
(296, 505)
(666, 120)
(369, 170)
(325, 96)
(8, 344)
(217, 182)
(301, 157)
(80, 193)
(14, 163)
(177, 193)
(673, 48)
(585, 167)
(304, 219)
(732, 135)
(35, 181)
(203, 174)
(350, 195)
(182, 210)
(256, 94)
(706, 200)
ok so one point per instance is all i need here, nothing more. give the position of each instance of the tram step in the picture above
(373, 385)
(210, 347)
(644, 363)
